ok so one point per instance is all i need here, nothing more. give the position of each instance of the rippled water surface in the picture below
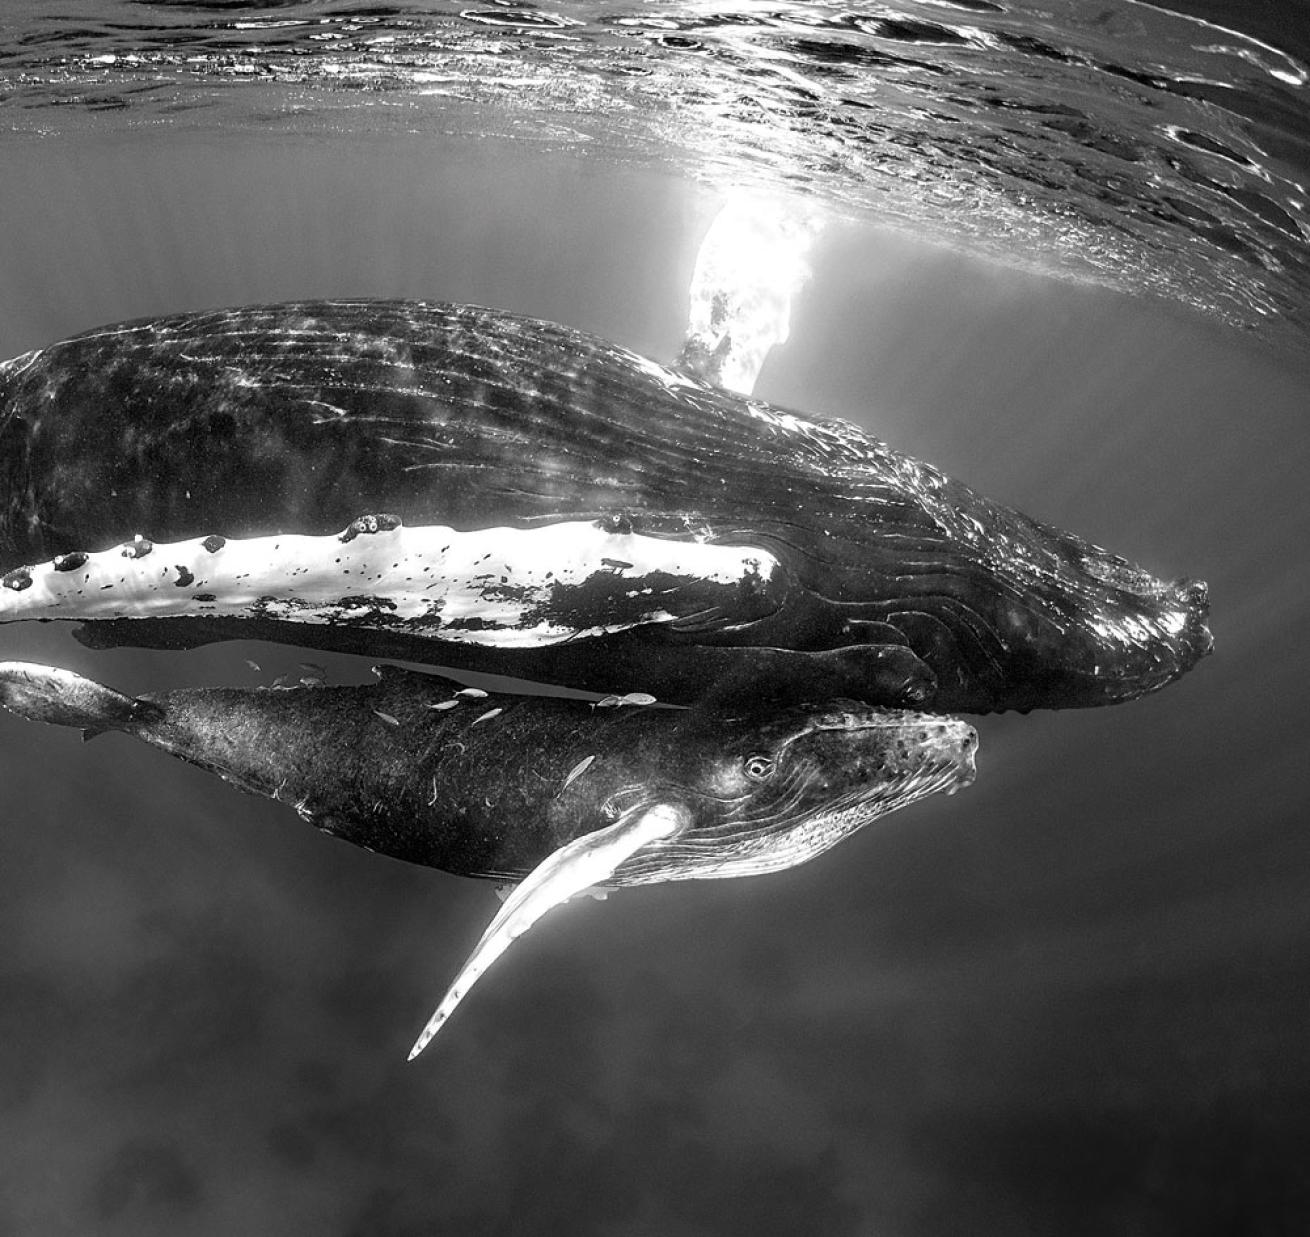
(1059, 251)
(1124, 143)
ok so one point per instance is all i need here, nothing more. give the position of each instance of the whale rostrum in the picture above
(617, 794)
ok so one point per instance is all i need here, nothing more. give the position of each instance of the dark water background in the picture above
(1074, 999)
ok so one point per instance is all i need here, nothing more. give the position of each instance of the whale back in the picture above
(249, 420)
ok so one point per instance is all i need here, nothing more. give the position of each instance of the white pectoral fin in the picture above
(586, 861)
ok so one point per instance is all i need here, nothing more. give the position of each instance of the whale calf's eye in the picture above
(757, 768)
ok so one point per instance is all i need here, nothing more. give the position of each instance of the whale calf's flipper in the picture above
(63, 698)
(584, 862)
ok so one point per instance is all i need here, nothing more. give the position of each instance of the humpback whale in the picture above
(558, 794)
(468, 487)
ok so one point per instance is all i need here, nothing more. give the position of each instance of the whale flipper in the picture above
(63, 698)
(584, 862)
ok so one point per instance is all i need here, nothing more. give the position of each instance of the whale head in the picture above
(1010, 612)
(766, 790)
(1064, 621)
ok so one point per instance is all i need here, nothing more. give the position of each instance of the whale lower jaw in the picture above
(507, 587)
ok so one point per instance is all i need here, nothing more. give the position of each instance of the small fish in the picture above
(577, 771)
(445, 704)
(387, 717)
(472, 693)
(608, 703)
(490, 713)
(254, 665)
(637, 698)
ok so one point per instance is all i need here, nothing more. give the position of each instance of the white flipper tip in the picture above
(582, 863)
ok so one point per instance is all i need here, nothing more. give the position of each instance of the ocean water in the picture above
(1061, 253)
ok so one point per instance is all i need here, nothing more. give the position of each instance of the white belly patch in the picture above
(502, 586)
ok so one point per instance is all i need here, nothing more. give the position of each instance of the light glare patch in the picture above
(481, 587)
(750, 267)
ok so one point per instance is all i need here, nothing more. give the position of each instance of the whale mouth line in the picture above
(862, 717)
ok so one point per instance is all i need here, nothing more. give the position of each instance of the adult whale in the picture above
(469, 487)
(413, 768)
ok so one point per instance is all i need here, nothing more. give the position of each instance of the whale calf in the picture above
(558, 794)
(463, 486)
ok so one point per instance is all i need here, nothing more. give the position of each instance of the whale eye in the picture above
(622, 801)
(758, 767)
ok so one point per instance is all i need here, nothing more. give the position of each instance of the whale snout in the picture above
(1180, 608)
(966, 749)
(1194, 596)
(1140, 640)
(947, 748)
(886, 752)
(1098, 631)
